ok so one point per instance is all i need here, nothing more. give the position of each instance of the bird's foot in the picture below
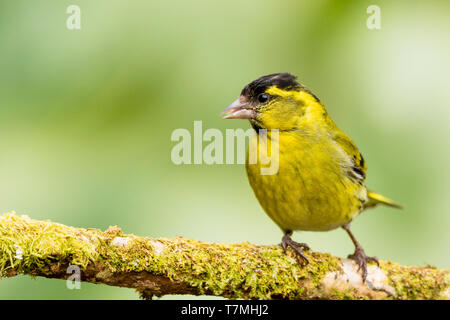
(361, 260)
(296, 246)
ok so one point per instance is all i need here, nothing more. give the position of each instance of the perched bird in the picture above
(319, 185)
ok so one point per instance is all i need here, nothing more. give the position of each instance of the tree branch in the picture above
(157, 267)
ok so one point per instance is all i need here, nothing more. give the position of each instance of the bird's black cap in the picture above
(281, 80)
(285, 81)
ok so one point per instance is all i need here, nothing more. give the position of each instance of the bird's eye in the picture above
(263, 97)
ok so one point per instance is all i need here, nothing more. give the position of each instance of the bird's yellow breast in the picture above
(311, 190)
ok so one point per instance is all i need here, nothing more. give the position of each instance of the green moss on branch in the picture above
(185, 266)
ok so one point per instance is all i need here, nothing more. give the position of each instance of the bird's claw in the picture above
(296, 246)
(361, 260)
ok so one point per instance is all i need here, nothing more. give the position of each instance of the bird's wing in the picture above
(357, 170)
(358, 167)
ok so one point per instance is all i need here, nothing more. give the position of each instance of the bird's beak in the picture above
(239, 109)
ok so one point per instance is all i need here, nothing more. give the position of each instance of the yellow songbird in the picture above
(319, 185)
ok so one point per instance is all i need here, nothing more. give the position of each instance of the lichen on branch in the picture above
(161, 266)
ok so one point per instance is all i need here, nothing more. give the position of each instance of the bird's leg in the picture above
(359, 256)
(286, 241)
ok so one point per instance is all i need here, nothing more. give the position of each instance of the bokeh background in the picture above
(86, 117)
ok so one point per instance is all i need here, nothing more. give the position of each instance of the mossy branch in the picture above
(157, 267)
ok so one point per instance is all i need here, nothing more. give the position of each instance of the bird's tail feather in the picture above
(375, 199)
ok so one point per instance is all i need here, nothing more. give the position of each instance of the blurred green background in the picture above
(86, 117)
